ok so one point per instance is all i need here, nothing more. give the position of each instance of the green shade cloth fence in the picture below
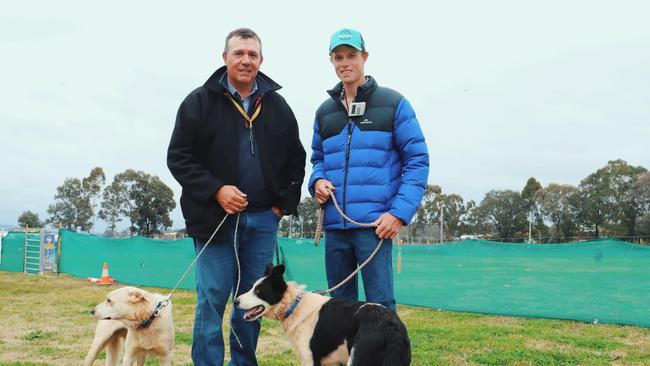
(605, 280)
(12, 258)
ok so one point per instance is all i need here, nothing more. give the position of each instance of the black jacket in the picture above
(203, 151)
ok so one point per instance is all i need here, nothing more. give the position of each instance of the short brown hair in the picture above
(243, 33)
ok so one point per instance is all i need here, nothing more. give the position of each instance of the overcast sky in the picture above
(503, 90)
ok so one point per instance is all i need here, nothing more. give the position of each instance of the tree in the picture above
(641, 190)
(141, 197)
(29, 219)
(529, 196)
(608, 196)
(594, 207)
(73, 205)
(558, 204)
(456, 214)
(308, 213)
(629, 208)
(425, 215)
(528, 193)
(70, 209)
(154, 201)
(114, 204)
(453, 209)
(284, 226)
(643, 225)
(503, 211)
(91, 187)
(470, 222)
(304, 223)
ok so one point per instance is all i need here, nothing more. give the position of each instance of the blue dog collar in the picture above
(293, 306)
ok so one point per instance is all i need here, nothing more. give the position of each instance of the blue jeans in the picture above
(344, 249)
(216, 279)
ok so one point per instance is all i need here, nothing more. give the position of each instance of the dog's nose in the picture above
(92, 311)
(236, 302)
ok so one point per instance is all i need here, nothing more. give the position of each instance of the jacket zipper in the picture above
(347, 164)
(347, 156)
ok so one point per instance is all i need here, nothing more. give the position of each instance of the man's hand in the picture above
(323, 187)
(231, 199)
(277, 211)
(387, 226)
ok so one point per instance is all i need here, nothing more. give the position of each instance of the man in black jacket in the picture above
(235, 150)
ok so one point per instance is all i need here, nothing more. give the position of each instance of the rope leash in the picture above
(201, 252)
(317, 237)
(234, 246)
(321, 220)
(164, 302)
(147, 322)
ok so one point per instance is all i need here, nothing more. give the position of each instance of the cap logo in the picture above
(345, 35)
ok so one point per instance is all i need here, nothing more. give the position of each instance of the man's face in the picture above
(243, 60)
(348, 63)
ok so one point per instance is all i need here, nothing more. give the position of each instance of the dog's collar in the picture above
(147, 322)
(293, 306)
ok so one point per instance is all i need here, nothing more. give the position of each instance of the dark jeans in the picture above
(344, 249)
(216, 279)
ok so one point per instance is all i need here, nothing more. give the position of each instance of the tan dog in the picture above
(122, 317)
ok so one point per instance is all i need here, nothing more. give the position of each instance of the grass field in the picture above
(46, 321)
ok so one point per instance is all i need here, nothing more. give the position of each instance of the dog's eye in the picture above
(108, 301)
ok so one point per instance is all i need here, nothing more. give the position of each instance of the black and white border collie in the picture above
(328, 331)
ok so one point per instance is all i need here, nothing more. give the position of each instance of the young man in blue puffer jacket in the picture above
(369, 151)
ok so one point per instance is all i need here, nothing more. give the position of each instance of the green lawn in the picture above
(45, 321)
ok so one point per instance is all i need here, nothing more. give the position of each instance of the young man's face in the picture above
(243, 60)
(348, 63)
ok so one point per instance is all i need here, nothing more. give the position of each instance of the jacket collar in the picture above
(364, 91)
(225, 82)
(264, 83)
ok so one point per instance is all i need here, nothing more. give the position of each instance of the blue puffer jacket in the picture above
(378, 162)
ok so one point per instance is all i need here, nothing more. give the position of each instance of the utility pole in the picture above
(93, 206)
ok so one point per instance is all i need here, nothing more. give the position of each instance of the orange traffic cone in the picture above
(106, 279)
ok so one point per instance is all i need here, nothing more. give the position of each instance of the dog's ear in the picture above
(268, 270)
(277, 281)
(278, 270)
(135, 296)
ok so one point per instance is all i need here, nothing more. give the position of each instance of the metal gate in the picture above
(40, 252)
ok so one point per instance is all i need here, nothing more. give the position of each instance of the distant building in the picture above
(171, 235)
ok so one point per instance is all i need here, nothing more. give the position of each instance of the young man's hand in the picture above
(323, 187)
(231, 199)
(387, 226)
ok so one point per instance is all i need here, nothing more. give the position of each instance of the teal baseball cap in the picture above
(348, 37)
